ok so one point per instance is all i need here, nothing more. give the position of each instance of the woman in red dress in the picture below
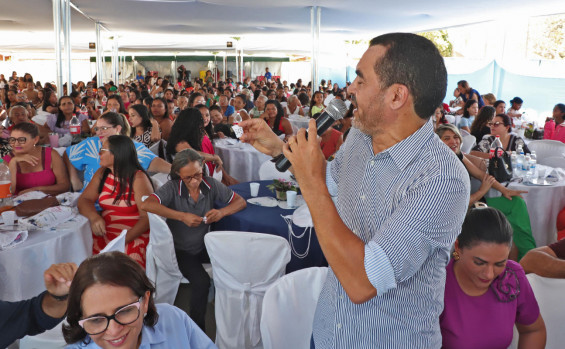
(118, 186)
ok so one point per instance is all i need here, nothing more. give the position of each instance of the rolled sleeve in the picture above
(378, 268)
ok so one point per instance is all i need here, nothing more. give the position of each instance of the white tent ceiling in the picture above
(268, 25)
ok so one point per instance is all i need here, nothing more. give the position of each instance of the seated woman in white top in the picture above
(470, 110)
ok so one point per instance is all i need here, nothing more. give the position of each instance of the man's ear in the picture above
(397, 96)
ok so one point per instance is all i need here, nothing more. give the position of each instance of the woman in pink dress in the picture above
(118, 186)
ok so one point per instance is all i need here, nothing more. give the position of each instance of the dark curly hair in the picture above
(188, 127)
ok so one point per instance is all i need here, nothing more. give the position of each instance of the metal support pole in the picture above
(215, 70)
(225, 65)
(315, 20)
(57, 30)
(242, 71)
(65, 5)
(115, 65)
(99, 62)
(236, 66)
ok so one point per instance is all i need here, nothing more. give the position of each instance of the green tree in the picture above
(547, 37)
(441, 39)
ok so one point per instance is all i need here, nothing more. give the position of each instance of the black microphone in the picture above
(335, 110)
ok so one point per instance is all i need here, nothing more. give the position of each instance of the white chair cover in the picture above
(545, 148)
(118, 244)
(268, 171)
(51, 339)
(244, 266)
(553, 161)
(549, 294)
(161, 264)
(468, 143)
(288, 309)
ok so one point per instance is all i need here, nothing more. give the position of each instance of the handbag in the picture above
(32, 207)
(500, 167)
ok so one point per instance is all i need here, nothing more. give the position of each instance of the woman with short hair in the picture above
(187, 202)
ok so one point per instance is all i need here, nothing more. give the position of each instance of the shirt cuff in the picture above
(378, 268)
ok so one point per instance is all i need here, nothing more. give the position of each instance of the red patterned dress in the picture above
(119, 216)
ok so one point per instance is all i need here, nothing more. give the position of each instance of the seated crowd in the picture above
(110, 162)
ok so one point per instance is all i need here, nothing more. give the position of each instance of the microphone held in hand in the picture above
(335, 110)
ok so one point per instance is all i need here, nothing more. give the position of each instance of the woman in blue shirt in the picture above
(111, 305)
(470, 110)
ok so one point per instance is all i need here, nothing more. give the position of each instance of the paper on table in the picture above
(10, 239)
(265, 201)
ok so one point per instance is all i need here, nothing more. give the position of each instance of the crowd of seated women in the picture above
(486, 291)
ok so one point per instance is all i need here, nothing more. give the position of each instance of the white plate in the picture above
(264, 201)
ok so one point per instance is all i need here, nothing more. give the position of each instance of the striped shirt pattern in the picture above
(407, 203)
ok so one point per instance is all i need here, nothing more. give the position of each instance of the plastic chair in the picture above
(268, 171)
(51, 339)
(244, 266)
(553, 161)
(546, 148)
(118, 244)
(288, 309)
(549, 294)
(469, 141)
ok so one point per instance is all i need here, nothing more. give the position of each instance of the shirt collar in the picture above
(150, 336)
(204, 187)
(403, 152)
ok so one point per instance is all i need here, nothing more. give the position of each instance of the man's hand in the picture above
(308, 161)
(258, 133)
(58, 278)
(213, 216)
(191, 220)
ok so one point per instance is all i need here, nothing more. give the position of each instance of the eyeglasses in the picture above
(123, 316)
(103, 150)
(197, 176)
(102, 128)
(498, 123)
(21, 140)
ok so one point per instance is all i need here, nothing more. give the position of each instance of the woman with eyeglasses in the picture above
(486, 294)
(33, 167)
(118, 186)
(510, 203)
(84, 156)
(60, 122)
(501, 126)
(187, 202)
(110, 305)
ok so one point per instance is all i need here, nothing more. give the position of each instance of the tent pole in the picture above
(236, 66)
(115, 66)
(99, 63)
(242, 71)
(57, 30)
(225, 63)
(315, 20)
(67, 32)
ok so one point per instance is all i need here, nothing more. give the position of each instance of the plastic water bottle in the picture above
(533, 164)
(237, 119)
(496, 144)
(526, 164)
(74, 125)
(5, 182)
(513, 160)
(519, 161)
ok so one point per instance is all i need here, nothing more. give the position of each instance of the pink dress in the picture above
(208, 149)
(41, 178)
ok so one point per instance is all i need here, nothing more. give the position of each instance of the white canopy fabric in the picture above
(207, 24)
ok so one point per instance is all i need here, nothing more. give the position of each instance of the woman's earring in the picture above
(456, 255)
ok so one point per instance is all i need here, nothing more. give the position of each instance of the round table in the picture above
(268, 220)
(241, 160)
(22, 267)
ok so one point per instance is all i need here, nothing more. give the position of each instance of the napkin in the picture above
(218, 175)
(302, 217)
(265, 201)
(68, 199)
(10, 239)
(31, 195)
(557, 173)
(50, 217)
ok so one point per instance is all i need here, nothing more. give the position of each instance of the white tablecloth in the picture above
(22, 267)
(241, 160)
(544, 204)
